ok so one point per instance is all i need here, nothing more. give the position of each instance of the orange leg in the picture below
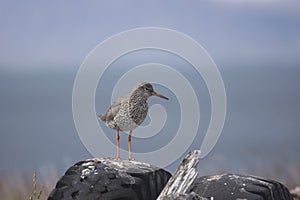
(118, 145)
(129, 146)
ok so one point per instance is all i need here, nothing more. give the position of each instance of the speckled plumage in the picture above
(128, 112)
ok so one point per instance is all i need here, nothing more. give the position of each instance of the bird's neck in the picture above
(137, 97)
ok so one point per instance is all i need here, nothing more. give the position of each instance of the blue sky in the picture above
(38, 34)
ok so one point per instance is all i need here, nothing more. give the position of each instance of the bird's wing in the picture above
(113, 109)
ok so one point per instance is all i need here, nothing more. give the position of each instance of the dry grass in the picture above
(20, 187)
(36, 193)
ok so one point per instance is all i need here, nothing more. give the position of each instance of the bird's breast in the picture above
(138, 112)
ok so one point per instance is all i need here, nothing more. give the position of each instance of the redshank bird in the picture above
(128, 112)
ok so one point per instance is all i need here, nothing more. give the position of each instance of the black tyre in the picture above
(230, 186)
(110, 180)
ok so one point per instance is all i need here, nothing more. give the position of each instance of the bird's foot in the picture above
(130, 159)
(118, 158)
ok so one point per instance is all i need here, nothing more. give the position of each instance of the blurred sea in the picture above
(261, 131)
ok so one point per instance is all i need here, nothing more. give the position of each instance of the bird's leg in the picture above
(118, 145)
(129, 145)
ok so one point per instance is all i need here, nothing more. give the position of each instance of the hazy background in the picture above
(255, 44)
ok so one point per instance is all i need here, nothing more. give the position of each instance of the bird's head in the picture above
(147, 90)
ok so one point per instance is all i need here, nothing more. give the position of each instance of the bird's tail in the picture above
(102, 117)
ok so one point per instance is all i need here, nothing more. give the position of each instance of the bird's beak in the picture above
(159, 95)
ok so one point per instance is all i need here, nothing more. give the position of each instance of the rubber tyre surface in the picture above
(91, 180)
(230, 186)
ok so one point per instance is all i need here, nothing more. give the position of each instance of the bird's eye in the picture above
(145, 88)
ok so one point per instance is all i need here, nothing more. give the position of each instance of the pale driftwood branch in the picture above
(184, 176)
